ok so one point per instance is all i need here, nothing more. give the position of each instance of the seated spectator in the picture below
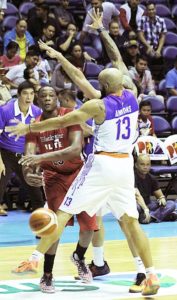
(21, 36)
(151, 32)
(157, 210)
(79, 57)
(44, 71)
(171, 80)
(132, 35)
(60, 80)
(119, 40)
(145, 121)
(143, 78)
(62, 14)
(37, 22)
(15, 75)
(11, 58)
(49, 37)
(130, 13)
(67, 40)
(130, 53)
(109, 11)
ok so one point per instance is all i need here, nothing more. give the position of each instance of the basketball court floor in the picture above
(17, 242)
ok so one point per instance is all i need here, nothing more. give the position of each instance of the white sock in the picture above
(139, 265)
(36, 256)
(98, 256)
(150, 271)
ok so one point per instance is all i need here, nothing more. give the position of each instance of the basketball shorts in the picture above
(56, 186)
(104, 181)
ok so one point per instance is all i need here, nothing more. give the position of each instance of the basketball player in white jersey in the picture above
(107, 179)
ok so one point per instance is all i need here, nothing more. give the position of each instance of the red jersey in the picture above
(55, 140)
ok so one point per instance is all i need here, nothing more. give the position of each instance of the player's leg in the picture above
(46, 282)
(98, 265)
(134, 233)
(138, 284)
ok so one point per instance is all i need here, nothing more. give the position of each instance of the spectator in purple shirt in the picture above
(10, 150)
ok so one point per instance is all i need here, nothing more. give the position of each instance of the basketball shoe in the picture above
(151, 285)
(27, 267)
(83, 270)
(138, 285)
(47, 284)
(99, 271)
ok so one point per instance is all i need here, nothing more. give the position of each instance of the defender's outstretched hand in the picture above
(52, 53)
(17, 130)
(96, 18)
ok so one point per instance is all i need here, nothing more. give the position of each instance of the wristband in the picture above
(99, 30)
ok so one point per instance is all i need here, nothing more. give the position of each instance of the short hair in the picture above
(43, 5)
(141, 57)
(33, 51)
(25, 85)
(150, 3)
(12, 45)
(145, 103)
(21, 19)
(43, 87)
(68, 93)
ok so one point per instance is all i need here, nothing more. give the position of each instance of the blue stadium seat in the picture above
(171, 38)
(163, 11)
(9, 22)
(11, 10)
(24, 8)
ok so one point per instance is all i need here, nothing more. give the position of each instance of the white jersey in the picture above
(118, 131)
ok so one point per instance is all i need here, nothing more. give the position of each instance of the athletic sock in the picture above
(139, 265)
(150, 271)
(36, 256)
(80, 251)
(48, 263)
(98, 256)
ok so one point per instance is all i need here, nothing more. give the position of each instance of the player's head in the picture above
(47, 98)
(145, 108)
(110, 80)
(67, 98)
(143, 164)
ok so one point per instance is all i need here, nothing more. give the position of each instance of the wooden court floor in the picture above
(117, 254)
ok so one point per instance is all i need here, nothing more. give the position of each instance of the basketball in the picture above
(43, 222)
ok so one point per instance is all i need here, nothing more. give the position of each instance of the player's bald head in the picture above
(111, 80)
(143, 158)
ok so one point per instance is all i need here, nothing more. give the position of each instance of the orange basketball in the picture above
(43, 222)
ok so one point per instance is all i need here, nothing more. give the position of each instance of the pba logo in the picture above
(114, 286)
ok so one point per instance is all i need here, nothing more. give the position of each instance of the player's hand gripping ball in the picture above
(43, 222)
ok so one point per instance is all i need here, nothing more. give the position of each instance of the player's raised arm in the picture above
(74, 73)
(91, 109)
(112, 50)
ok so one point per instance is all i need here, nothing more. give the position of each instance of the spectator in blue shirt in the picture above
(171, 80)
(11, 151)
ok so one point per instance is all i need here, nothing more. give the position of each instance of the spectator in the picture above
(109, 11)
(151, 32)
(49, 37)
(11, 150)
(63, 16)
(32, 11)
(131, 53)
(10, 59)
(143, 78)
(15, 75)
(41, 18)
(130, 13)
(145, 121)
(60, 80)
(67, 40)
(151, 210)
(171, 80)
(21, 36)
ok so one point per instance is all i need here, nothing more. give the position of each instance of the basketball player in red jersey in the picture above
(60, 161)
